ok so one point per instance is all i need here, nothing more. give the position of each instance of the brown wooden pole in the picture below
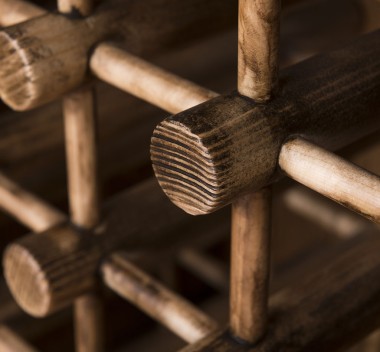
(156, 300)
(332, 176)
(250, 249)
(17, 11)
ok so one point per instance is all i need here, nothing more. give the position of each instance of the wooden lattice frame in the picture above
(258, 78)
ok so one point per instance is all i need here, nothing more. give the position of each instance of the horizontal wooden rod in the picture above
(332, 176)
(324, 213)
(342, 293)
(27, 208)
(156, 300)
(47, 272)
(11, 342)
(207, 156)
(46, 64)
(146, 81)
(17, 11)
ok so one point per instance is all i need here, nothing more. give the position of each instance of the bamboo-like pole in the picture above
(250, 232)
(81, 152)
(11, 342)
(146, 81)
(26, 207)
(332, 176)
(16, 11)
(156, 300)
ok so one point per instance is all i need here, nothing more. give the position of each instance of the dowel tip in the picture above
(185, 169)
(26, 280)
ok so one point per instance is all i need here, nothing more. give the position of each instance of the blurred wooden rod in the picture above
(16, 11)
(332, 176)
(160, 303)
(31, 211)
(11, 342)
(322, 211)
(146, 81)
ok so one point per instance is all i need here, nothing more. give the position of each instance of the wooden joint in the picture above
(207, 156)
(46, 57)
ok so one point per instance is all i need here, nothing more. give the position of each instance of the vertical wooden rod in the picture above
(80, 133)
(250, 256)
(257, 78)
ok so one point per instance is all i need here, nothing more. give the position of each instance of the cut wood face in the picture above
(207, 156)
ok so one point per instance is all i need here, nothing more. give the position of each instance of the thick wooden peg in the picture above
(208, 155)
(49, 271)
(44, 58)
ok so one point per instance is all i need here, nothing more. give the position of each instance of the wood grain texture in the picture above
(332, 176)
(259, 27)
(17, 11)
(38, 66)
(49, 271)
(207, 156)
(250, 262)
(328, 310)
(146, 81)
(12, 342)
(156, 300)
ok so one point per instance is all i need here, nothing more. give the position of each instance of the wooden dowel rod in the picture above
(31, 211)
(332, 176)
(157, 301)
(146, 81)
(17, 11)
(250, 260)
(58, 277)
(330, 216)
(11, 342)
(28, 80)
(80, 136)
(259, 25)
(207, 156)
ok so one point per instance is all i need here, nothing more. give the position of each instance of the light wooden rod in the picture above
(28, 79)
(207, 156)
(259, 25)
(11, 342)
(146, 81)
(332, 176)
(17, 11)
(49, 271)
(27, 208)
(306, 314)
(156, 300)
